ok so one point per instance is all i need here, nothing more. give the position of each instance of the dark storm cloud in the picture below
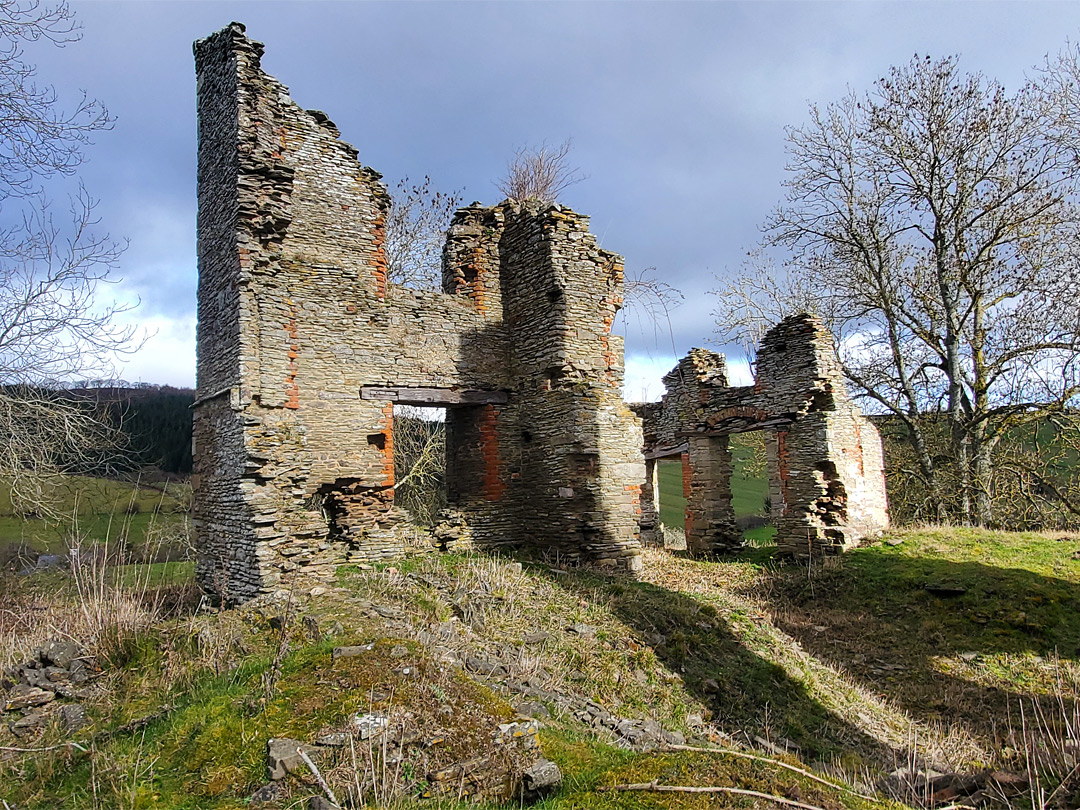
(676, 110)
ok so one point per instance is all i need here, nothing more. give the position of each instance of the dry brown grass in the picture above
(741, 594)
(100, 603)
(951, 686)
(488, 605)
(737, 616)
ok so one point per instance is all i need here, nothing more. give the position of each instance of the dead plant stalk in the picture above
(656, 787)
(733, 753)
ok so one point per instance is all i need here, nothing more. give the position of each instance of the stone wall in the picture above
(304, 347)
(827, 481)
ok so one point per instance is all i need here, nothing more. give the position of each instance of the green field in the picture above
(97, 510)
(748, 488)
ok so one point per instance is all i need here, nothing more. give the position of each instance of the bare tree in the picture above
(46, 434)
(648, 302)
(764, 295)
(54, 329)
(650, 296)
(933, 222)
(539, 174)
(37, 138)
(419, 462)
(1059, 81)
(415, 232)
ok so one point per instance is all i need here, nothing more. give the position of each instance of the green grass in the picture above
(592, 765)
(207, 750)
(748, 490)
(94, 510)
(853, 662)
(1022, 590)
(156, 575)
(761, 537)
(1011, 636)
(672, 502)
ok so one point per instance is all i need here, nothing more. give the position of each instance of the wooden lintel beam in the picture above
(439, 397)
(666, 452)
(738, 425)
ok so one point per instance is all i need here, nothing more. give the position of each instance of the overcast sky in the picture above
(676, 111)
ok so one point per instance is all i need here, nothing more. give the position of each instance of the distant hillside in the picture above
(156, 418)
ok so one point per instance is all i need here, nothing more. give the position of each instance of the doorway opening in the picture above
(420, 485)
(753, 499)
(671, 502)
(753, 457)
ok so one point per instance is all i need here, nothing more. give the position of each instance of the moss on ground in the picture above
(596, 767)
(855, 666)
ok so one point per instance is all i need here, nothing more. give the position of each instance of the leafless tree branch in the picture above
(415, 232)
(54, 328)
(933, 224)
(38, 139)
(419, 462)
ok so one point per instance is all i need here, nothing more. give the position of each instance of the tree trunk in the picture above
(982, 439)
(982, 472)
(953, 368)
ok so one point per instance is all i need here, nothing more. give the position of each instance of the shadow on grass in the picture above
(746, 693)
(967, 658)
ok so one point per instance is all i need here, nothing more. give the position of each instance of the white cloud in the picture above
(641, 381)
(167, 357)
(738, 370)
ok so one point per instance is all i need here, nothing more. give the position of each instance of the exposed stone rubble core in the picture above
(304, 347)
(826, 471)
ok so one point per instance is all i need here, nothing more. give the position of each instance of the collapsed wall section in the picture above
(709, 520)
(828, 458)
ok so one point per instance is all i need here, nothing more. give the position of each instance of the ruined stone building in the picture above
(825, 465)
(304, 348)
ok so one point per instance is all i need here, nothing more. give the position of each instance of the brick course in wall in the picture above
(304, 346)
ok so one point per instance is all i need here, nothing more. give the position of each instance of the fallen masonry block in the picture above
(282, 757)
(541, 779)
(369, 725)
(351, 652)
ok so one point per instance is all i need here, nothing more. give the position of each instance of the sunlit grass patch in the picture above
(97, 510)
(854, 667)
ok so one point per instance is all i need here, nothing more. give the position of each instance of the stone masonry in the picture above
(827, 481)
(304, 347)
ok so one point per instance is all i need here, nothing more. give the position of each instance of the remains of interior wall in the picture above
(304, 347)
(827, 482)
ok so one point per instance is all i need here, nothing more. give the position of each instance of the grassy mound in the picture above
(817, 683)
